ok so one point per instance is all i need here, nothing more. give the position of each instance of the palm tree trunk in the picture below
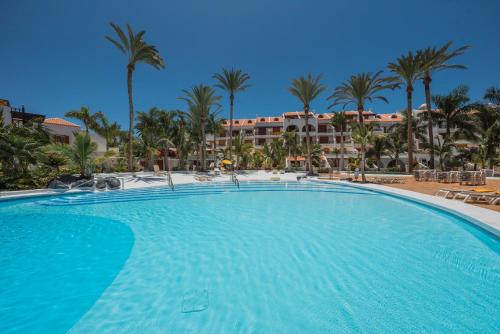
(427, 84)
(231, 114)
(130, 70)
(409, 91)
(309, 166)
(360, 113)
(342, 161)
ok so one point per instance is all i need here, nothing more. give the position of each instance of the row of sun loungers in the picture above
(477, 195)
(473, 178)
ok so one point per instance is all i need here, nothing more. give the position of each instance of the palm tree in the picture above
(200, 100)
(444, 151)
(486, 122)
(492, 95)
(377, 149)
(433, 60)
(454, 111)
(408, 68)
(395, 146)
(215, 127)
(81, 152)
(241, 149)
(361, 88)
(148, 128)
(110, 131)
(306, 89)
(166, 133)
(291, 141)
(339, 122)
(232, 81)
(89, 120)
(362, 134)
(137, 51)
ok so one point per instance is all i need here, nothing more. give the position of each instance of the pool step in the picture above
(194, 190)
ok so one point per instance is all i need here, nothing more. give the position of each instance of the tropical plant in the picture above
(257, 159)
(395, 145)
(408, 68)
(149, 131)
(241, 149)
(200, 100)
(339, 121)
(89, 120)
(215, 126)
(455, 112)
(111, 132)
(377, 149)
(53, 155)
(81, 152)
(307, 89)
(232, 81)
(137, 51)
(433, 60)
(362, 134)
(444, 150)
(291, 141)
(492, 95)
(485, 120)
(360, 89)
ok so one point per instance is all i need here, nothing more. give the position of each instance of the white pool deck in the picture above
(485, 218)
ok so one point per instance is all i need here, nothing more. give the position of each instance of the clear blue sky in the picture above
(54, 57)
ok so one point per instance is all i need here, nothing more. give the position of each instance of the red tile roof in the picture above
(60, 121)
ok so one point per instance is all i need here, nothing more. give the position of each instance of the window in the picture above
(61, 139)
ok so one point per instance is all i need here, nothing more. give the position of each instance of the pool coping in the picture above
(486, 219)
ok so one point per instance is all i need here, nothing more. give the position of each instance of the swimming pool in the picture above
(264, 258)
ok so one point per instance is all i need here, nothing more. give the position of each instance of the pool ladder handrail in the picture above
(170, 182)
(235, 180)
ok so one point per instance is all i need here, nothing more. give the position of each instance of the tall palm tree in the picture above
(455, 112)
(89, 120)
(200, 100)
(361, 88)
(433, 60)
(306, 89)
(215, 127)
(408, 68)
(362, 134)
(137, 51)
(232, 81)
(339, 122)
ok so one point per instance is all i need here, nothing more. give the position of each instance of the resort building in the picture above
(264, 130)
(61, 130)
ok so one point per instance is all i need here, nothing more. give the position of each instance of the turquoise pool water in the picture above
(265, 258)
